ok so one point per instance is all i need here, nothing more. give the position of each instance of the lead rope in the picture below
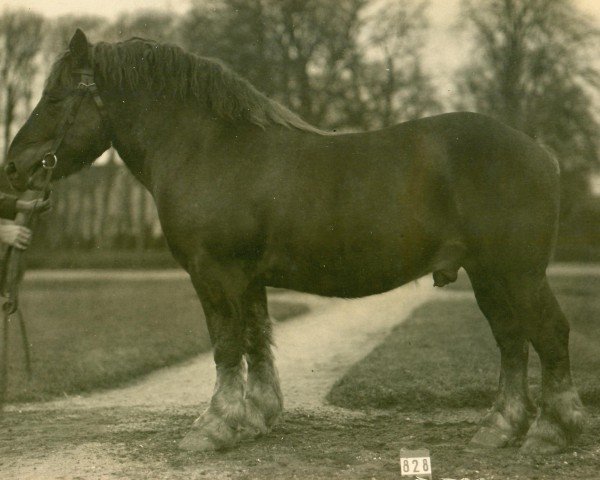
(10, 282)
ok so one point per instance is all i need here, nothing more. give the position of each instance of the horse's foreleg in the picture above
(263, 395)
(562, 415)
(508, 419)
(220, 291)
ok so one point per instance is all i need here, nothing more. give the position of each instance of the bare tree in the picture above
(399, 88)
(60, 31)
(151, 24)
(20, 40)
(534, 68)
(294, 50)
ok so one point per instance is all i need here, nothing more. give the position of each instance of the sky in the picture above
(107, 8)
(442, 10)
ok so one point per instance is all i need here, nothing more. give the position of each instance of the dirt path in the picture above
(97, 436)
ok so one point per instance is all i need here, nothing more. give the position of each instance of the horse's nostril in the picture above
(11, 168)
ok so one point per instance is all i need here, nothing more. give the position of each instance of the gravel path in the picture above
(312, 352)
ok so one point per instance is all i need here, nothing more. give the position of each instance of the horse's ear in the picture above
(78, 46)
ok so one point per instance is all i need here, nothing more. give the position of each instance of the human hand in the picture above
(36, 206)
(15, 235)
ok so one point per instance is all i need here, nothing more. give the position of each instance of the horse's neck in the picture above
(156, 139)
(146, 133)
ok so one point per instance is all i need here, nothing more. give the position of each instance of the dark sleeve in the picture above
(8, 206)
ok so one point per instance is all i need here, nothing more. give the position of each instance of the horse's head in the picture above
(67, 129)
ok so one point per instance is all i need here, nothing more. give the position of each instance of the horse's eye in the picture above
(53, 98)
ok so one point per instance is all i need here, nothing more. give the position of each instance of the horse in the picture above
(251, 196)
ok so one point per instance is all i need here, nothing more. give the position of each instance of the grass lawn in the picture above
(444, 356)
(40, 258)
(99, 333)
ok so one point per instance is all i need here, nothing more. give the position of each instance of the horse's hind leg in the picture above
(263, 394)
(562, 415)
(508, 419)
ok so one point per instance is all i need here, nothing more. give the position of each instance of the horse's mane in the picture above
(168, 70)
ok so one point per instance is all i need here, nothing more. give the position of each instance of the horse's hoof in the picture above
(196, 442)
(540, 446)
(209, 432)
(544, 437)
(491, 437)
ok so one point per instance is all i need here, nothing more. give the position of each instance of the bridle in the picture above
(86, 85)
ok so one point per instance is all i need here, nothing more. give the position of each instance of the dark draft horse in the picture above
(250, 196)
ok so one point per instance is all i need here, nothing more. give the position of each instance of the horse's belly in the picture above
(334, 286)
(345, 276)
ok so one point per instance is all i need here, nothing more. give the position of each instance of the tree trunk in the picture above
(390, 88)
(9, 107)
(140, 243)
